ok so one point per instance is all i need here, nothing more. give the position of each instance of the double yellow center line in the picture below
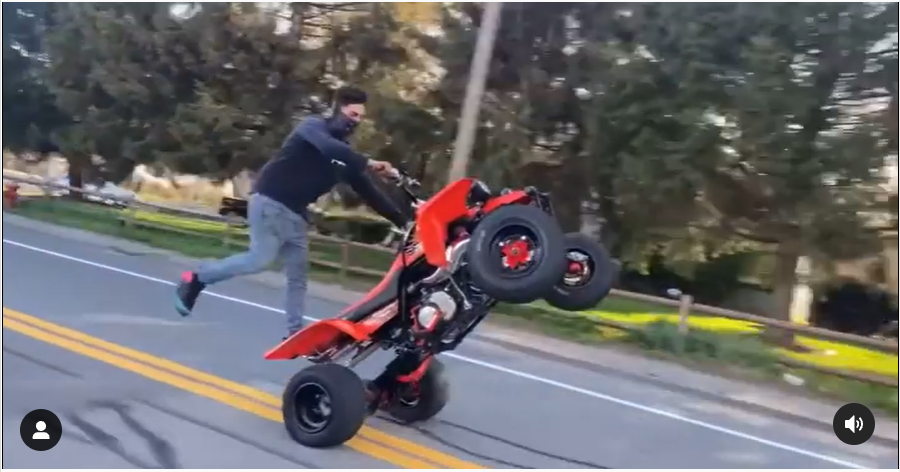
(369, 441)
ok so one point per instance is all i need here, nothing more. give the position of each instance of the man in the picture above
(313, 158)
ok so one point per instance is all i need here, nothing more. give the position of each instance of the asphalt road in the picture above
(90, 333)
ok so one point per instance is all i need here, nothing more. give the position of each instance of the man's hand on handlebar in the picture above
(382, 168)
(387, 170)
(401, 179)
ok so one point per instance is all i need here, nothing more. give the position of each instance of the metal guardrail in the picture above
(685, 305)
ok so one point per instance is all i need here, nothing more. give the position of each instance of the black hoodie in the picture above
(310, 163)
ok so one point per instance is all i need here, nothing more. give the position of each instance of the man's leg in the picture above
(265, 242)
(294, 255)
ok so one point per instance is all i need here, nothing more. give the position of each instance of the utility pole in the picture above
(478, 72)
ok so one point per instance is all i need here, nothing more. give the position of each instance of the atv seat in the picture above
(379, 297)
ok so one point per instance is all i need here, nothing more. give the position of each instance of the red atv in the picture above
(468, 249)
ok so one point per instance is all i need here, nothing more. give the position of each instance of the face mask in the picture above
(341, 126)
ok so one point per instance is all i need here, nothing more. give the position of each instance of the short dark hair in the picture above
(350, 96)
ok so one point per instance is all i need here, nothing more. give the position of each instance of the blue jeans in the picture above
(277, 235)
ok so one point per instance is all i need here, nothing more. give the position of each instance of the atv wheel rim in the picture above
(313, 407)
(517, 252)
(579, 269)
(409, 396)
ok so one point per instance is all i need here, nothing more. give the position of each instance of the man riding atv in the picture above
(312, 160)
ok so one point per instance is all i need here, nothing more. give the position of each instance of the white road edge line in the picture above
(498, 368)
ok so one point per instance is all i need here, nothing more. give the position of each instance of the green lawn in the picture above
(824, 353)
(721, 339)
(641, 314)
(191, 224)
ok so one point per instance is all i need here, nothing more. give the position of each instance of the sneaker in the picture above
(188, 291)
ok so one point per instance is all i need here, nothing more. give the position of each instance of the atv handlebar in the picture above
(408, 184)
(403, 179)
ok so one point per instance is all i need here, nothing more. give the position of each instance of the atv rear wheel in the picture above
(588, 278)
(414, 402)
(324, 405)
(517, 254)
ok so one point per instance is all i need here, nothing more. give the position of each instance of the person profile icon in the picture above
(40, 430)
(40, 434)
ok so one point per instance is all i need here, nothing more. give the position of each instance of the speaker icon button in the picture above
(854, 424)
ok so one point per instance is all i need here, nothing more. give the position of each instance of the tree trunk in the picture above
(422, 170)
(564, 186)
(567, 201)
(787, 255)
(611, 231)
(76, 178)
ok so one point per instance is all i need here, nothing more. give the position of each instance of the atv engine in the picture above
(436, 307)
(451, 310)
(450, 305)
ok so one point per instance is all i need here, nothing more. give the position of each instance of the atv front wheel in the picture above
(324, 405)
(414, 402)
(588, 278)
(517, 254)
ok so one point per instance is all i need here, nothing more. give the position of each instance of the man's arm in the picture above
(375, 198)
(315, 131)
